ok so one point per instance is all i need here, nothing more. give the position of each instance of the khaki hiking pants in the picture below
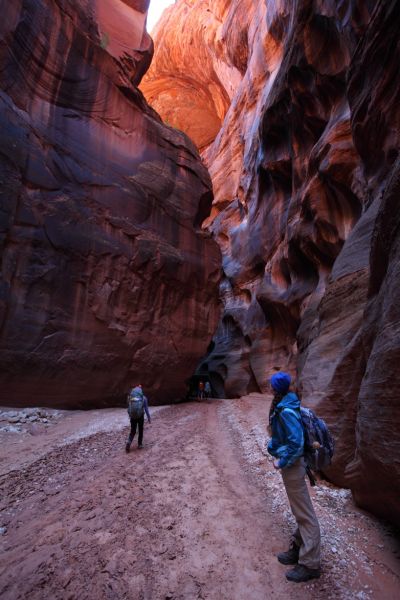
(307, 535)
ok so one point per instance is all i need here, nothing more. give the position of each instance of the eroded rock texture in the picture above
(107, 278)
(189, 82)
(358, 386)
(305, 185)
(284, 167)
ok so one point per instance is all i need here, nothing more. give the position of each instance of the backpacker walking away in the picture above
(137, 406)
(287, 446)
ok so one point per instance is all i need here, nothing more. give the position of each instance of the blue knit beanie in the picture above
(280, 382)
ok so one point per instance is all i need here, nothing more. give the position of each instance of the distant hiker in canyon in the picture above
(200, 391)
(207, 389)
(287, 446)
(137, 406)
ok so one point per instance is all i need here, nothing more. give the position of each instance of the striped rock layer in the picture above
(107, 279)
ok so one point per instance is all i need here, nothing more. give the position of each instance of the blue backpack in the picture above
(135, 404)
(319, 444)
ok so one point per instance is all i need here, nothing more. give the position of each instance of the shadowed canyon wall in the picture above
(106, 276)
(305, 176)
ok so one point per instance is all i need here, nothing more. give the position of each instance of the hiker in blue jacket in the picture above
(137, 406)
(287, 446)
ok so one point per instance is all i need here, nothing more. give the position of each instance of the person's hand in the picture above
(276, 463)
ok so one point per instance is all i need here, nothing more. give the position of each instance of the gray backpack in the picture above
(135, 405)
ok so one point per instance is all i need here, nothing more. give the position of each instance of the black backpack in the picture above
(319, 444)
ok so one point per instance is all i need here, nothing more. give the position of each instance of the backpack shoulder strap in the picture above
(298, 414)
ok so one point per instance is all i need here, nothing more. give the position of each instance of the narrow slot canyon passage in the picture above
(206, 195)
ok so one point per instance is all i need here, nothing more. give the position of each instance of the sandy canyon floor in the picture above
(198, 513)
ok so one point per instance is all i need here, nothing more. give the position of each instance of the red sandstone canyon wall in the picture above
(304, 172)
(106, 276)
(357, 387)
(284, 167)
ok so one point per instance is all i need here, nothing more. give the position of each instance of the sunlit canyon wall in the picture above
(294, 106)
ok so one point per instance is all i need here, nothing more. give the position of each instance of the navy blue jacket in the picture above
(287, 441)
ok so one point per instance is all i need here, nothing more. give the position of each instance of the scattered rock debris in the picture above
(16, 421)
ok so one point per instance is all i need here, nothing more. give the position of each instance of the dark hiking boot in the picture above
(140, 445)
(127, 448)
(302, 573)
(291, 557)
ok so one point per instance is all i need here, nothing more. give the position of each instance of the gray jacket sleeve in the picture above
(146, 408)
